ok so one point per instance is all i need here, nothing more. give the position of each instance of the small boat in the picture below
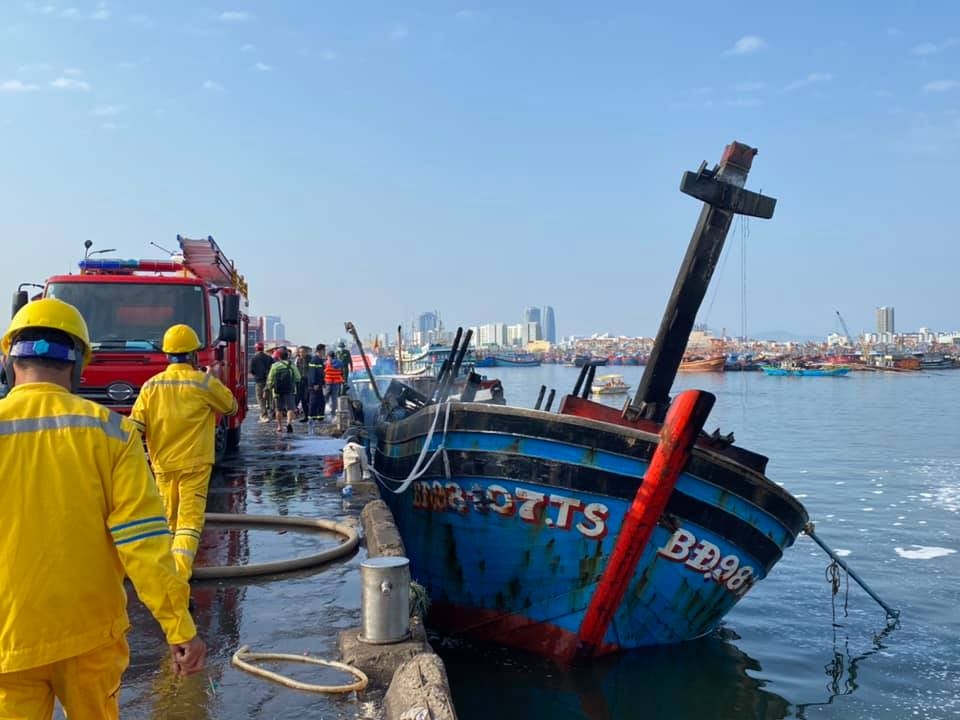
(936, 361)
(516, 360)
(797, 370)
(609, 385)
(432, 358)
(590, 530)
(581, 360)
(703, 364)
(740, 363)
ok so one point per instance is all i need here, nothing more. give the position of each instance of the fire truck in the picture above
(129, 304)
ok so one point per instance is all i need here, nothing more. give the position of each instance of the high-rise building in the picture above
(531, 314)
(427, 321)
(530, 333)
(885, 322)
(280, 332)
(269, 324)
(491, 334)
(549, 324)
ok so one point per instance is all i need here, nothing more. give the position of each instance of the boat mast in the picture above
(722, 192)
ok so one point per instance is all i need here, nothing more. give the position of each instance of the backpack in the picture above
(283, 380)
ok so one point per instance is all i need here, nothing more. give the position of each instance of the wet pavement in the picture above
(298, 613)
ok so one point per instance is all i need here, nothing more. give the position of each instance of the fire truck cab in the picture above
(129, 304)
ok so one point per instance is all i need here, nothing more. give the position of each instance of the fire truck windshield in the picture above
(132, 316)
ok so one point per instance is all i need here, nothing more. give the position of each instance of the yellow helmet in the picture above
(180, 339)
(54, 314)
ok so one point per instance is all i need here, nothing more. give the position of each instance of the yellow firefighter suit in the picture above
(78, 510)
(177, 409)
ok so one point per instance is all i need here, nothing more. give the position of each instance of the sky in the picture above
(369, 161)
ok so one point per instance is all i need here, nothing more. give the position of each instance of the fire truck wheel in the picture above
(220, 442)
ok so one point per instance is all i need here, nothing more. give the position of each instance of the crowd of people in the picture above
(300, 386)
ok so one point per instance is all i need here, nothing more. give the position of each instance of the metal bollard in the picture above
(384, 600)
(344, 414)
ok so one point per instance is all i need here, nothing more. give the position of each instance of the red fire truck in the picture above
(129, 304)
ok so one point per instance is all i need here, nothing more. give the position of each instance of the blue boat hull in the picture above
(510, 526)
(806, 372)
(516, 362)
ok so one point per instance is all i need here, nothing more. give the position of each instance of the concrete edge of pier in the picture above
(414, 675)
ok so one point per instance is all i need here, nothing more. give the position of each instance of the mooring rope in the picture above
(243, 654)
(832, 574)
(420, 467)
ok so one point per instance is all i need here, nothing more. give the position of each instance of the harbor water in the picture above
(874, 458)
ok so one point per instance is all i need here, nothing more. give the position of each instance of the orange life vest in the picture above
(332, 375)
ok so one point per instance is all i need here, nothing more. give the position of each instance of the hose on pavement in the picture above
(348, 546)
(242, 655)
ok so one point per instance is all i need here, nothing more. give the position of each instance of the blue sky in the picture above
(368, 161)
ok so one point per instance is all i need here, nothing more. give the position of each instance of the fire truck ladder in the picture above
(205, 260)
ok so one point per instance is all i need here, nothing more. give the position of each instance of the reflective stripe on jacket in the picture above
(315, 371)
(333, 374)
(79, 509)
(177, 409)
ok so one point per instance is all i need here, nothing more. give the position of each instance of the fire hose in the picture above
(242, 657)
(279, 566)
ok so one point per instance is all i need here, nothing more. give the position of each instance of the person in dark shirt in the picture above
(302, 362)
(260, 369)
(346, 365)
(315, 387)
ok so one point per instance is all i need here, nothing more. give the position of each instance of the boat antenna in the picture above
(168, 252)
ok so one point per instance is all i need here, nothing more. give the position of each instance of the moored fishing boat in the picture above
(582, 360)
(590, 530)
(703, 364)
(516, 360)
(798, 370)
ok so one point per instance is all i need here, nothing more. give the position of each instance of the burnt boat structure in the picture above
(590, 530)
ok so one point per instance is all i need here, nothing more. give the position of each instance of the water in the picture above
(875, 460)
(872, 456)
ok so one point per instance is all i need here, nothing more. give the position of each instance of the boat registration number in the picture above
(560, 512)
(705, 558)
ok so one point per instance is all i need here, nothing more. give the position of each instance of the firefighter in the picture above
(78, 510)
(346, 365)
(315, 384)
(178, 411)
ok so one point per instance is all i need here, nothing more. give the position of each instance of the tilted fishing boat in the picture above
(590, 530)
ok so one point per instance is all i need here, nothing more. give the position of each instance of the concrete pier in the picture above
(416, 680)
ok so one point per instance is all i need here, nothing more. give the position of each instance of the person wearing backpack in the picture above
(283, 380)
